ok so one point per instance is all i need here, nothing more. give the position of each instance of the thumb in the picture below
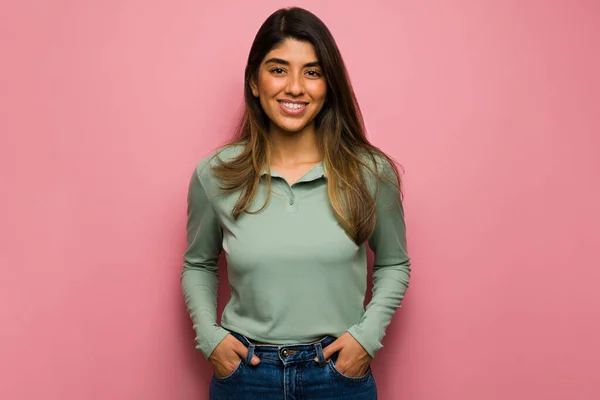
(330, 350)
(255, 360)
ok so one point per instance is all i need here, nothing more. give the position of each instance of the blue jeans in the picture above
(289, 372)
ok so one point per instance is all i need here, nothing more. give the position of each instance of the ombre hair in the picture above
(339, 128)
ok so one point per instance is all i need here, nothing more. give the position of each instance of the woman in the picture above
(293, 202)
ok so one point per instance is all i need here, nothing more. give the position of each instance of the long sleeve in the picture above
(391, 269)
(199, 277)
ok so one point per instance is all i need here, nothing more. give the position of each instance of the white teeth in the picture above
(294, 106)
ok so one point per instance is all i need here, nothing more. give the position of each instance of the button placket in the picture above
(292, 201)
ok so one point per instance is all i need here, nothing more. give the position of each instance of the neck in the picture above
(294, 147)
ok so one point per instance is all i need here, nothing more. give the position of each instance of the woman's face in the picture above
(291, 86)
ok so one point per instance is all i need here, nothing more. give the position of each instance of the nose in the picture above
(294, 85)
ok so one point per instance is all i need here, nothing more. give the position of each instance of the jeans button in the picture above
(285, 353)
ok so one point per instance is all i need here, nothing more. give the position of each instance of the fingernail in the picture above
(316, 359)
(255, 360)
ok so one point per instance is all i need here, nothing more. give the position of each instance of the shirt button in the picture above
(291, 202)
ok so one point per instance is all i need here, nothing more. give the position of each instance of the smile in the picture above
(292, 108)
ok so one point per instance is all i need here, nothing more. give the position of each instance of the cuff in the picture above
(207, 341)
(365, 339)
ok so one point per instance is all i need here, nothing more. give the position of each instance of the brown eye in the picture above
(314, 74)
(276, 71)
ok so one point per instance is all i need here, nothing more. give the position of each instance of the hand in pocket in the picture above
(227, 356)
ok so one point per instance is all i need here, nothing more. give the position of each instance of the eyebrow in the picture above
(276, 60)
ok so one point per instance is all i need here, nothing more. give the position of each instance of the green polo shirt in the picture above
(294, 273)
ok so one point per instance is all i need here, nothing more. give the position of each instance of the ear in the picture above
(253, 86)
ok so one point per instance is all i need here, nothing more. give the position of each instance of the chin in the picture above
(291, 128)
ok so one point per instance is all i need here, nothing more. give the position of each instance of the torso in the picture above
(300, 275)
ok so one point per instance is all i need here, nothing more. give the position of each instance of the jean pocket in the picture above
(232, 375)
(350, 379)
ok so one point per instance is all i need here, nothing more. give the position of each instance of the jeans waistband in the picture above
(287, 353)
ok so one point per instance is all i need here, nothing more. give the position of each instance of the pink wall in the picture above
(491, 106)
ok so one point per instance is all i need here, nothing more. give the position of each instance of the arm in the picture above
(391, 269)
(199, 278)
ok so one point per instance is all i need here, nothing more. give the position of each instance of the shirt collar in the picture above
(316, 172)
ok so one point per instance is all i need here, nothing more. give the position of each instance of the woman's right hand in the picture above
(226, 357)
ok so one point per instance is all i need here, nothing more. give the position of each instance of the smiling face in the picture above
(291, 87)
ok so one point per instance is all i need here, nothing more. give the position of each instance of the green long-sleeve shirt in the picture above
(295, 275)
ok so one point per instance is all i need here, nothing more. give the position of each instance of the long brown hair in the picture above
(339, 129)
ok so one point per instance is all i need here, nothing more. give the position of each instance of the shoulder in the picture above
(381, 175)
(221, 155)
(205, 177)
(376, 159)
(378, 165)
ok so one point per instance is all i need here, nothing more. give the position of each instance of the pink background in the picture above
(492, 107)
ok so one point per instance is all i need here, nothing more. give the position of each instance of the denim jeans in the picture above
(289, 372)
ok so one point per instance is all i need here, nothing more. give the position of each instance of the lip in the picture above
(287, 111)
(292, 101)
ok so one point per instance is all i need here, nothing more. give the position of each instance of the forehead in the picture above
(293, 50)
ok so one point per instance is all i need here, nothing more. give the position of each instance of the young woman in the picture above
(293, 202)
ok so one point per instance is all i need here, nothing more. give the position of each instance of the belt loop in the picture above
(246, 339)
(250, 354)
(320, 356)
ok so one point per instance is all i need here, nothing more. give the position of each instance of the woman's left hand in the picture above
(353, 360)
